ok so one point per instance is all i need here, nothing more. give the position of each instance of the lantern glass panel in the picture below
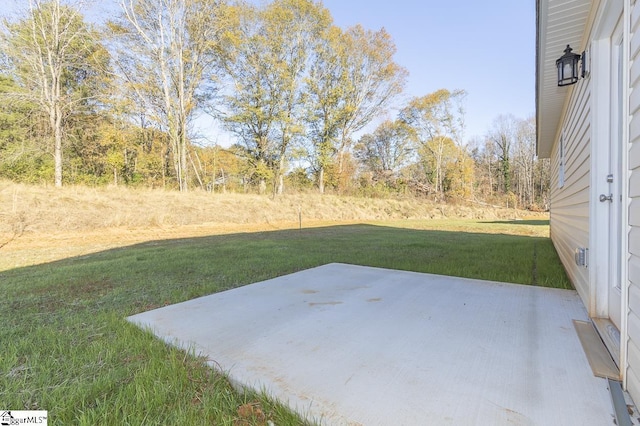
(567, 68)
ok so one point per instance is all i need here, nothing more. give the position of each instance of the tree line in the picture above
(119, 103)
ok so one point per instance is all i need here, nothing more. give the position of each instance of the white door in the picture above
(614, 178)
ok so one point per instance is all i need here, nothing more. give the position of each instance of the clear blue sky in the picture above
(484, 47)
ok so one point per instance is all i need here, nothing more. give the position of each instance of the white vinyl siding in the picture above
(633, 319)
(570, 202)
(561, 162)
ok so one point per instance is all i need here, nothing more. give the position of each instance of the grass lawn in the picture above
(67, 348)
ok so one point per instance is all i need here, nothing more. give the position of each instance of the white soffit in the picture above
(559, 22)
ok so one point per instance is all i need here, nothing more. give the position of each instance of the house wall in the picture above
(570, 203)
(633, 256)
(584, 115)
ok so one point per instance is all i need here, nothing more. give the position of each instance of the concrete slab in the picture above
(349, 345)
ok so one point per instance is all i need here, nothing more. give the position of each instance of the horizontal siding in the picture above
(634, 298)
(634, 75)
(574, 195)
(633, 318)
(633, 358)
(565, 243)
(572, 221)
(634, 101)
(570, 204)
(634, 212)
(634, 246)
(634, 184)
(633, 323)
(634, 152)
(633, 329)
(634, 273)
(634, 127)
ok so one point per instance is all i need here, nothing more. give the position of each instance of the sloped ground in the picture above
(39, 224)
(46, 209)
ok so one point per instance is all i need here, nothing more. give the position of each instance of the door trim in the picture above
(616, 145)
(609, 14)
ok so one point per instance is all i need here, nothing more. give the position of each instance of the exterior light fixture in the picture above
(568, 67)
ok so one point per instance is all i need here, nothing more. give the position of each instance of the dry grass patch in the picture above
(41, 224)
(47, 209)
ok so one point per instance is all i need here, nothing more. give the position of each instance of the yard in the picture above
(68, 349)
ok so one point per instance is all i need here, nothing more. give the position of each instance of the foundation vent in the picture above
(582, 257)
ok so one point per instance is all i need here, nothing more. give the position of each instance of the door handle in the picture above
(604, 198)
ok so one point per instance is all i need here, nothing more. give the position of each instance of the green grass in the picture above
(67, 348)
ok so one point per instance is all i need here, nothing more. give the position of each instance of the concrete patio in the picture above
(351, 345)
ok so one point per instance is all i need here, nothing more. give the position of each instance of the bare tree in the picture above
(506, 162)
(374, 79)
(524, 160)
(483, 154)
(387, 150)
(169, 54)
(503, 134)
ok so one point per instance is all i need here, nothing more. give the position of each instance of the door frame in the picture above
(610, 13)
(614, 155)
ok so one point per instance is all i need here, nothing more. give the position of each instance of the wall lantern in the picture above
(568, 67)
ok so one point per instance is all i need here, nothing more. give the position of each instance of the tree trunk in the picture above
(280, 179)
(175, 148)
(184, 187)
(506, 171)
(165, 166)
(57, 149)
(195, 169)
(321, 180)
(280, 184)
(490, 180)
